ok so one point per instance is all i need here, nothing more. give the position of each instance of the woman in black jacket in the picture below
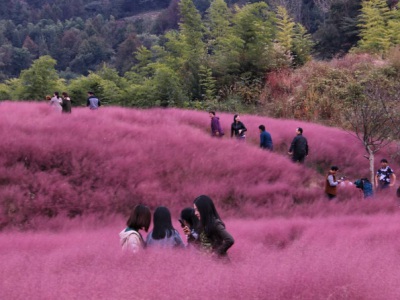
(238, 129)
(213, 236)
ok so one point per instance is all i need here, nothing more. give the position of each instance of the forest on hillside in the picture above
(82, 34)
(240, 57)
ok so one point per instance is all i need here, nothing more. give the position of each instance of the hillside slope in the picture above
(107, 161)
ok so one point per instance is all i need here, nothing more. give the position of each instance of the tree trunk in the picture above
(371, 159)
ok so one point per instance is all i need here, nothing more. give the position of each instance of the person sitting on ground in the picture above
(213, 236)
(163, 235)
(331, 183)
(130, 238)
(238, 129)
(189, 223)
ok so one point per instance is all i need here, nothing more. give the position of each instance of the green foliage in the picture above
(378, 27)
(37, 81)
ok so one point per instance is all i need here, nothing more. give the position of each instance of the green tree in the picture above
(285, 28)
(254, 25)
(192, 33)
(38, 81)
(373, 23)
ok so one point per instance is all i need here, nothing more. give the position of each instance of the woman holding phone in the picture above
(213, 236)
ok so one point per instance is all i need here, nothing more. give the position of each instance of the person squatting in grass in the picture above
(163, 235)
(331, 183)
(213, 236)
(130, 238)
(238, 129)
(299, 147)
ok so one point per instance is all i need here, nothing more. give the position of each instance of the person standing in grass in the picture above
(56, 102)
(265, 139)
(385, 176)
(238, 129)
(331, 183)
(92, 101)
(163, 235)
(130, 238)
(299, 147)
(66, 103)
(216, 129)
(213, 236)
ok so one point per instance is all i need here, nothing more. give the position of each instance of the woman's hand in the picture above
(186, 230)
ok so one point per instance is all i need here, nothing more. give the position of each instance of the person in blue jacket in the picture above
(265, 139)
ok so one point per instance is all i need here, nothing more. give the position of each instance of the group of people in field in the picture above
(384, 178)
(201, 224)
(63, 104)
(298, 148)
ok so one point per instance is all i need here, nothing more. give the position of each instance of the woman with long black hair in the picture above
(163, 233)
(238, 129)
(213, 236)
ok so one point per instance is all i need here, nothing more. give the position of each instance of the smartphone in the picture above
(182, 224)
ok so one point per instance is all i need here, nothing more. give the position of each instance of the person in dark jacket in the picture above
(216, 129)
(92, 101)
(299, 147)
(238, 129)
(265, 139)
(66, 103)
(213, 237)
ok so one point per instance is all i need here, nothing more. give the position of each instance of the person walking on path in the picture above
(238, 129)
(299, 147)
(216, 129)
(265, 139)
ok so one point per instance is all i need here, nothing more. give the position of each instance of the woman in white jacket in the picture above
(130, 238)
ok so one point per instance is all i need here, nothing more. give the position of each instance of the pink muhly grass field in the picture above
(67, 182)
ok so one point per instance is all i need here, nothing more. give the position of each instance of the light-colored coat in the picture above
(131, 241)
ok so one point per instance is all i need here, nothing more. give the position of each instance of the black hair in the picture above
(212, 112)
(208, 213)
(234, 118)
(57, 94)
(334, 168)
(162, 223)
(140, 217)
(300, 130)
(187, 214)
(384, 160)
(262, 127)
(90, 93)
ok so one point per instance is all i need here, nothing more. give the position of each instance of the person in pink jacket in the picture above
(130, 238)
